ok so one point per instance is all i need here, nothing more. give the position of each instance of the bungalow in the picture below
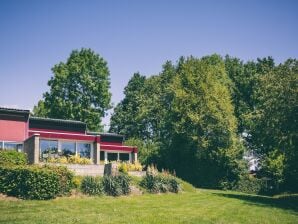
(42, 138)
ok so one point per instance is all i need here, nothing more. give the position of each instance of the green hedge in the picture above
(34, 182)
(11, 157)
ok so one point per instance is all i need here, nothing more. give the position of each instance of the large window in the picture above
(84, 150)
(11, 146)
(48, 149)
(55, 149)
(67, 149)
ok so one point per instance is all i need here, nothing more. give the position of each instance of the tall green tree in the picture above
(79, 90)
(205, 146)
(245, 78)
(274, 127)
(126, 117)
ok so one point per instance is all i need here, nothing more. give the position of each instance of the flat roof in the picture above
(104, 134)
(14, 110)
(14, 114)
(57, 124)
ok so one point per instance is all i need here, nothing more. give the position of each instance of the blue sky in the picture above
(134, 36)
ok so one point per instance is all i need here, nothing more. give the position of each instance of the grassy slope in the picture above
(202, 206)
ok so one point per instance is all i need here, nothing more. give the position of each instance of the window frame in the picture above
(3, 142)
(60, 141)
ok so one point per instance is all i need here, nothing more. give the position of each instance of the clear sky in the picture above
(134, 36)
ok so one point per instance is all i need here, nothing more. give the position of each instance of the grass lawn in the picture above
(199, 206)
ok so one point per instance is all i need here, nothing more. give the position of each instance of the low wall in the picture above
(92, 170)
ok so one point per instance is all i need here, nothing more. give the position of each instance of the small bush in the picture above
(111, 186)
(92, 186)
(34, 182)
(122, 167)
(11, 157)
(125, 167)
(124, 182)
(116, 185)
(156, 182)
(70, 160)
(77, 182)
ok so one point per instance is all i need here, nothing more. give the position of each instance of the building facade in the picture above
(43, 138)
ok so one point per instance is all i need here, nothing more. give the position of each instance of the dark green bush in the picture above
(11, 157)
(34, 182)
(65, 178)
(92, 186)
(124, 182)
(160, 183)
(111, 186)
(250, 184)
(116, 185)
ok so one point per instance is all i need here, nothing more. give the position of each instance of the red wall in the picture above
(13, 130)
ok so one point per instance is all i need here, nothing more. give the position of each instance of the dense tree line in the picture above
(198, 116)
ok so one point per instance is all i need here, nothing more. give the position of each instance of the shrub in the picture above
(85, 161)
(156, 182)
(77, 182)
(92, 186)
(34, 182)
(124, 182)
(125, 167)
(12, 157)
(122, 167)
(70, 160)
(116, 185)
(249, 184)
(65, 178)
(111, 186)
(62, 159)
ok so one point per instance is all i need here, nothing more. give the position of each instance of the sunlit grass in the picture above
(201, 206)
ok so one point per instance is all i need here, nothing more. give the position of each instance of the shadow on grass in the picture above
(289, 202)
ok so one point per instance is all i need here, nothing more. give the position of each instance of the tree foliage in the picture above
(79, 90)
(126, 113)
(274, 126)
(187, 111)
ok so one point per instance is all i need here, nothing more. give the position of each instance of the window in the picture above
(102, 155)
(124, 156)
(67, 149)
(84, 150)
(48, 149)
(112, 156)
(11, 146)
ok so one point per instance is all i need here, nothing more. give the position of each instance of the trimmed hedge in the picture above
(34, 182)
(11, 157)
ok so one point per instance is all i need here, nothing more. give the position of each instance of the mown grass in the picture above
(193, 206)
